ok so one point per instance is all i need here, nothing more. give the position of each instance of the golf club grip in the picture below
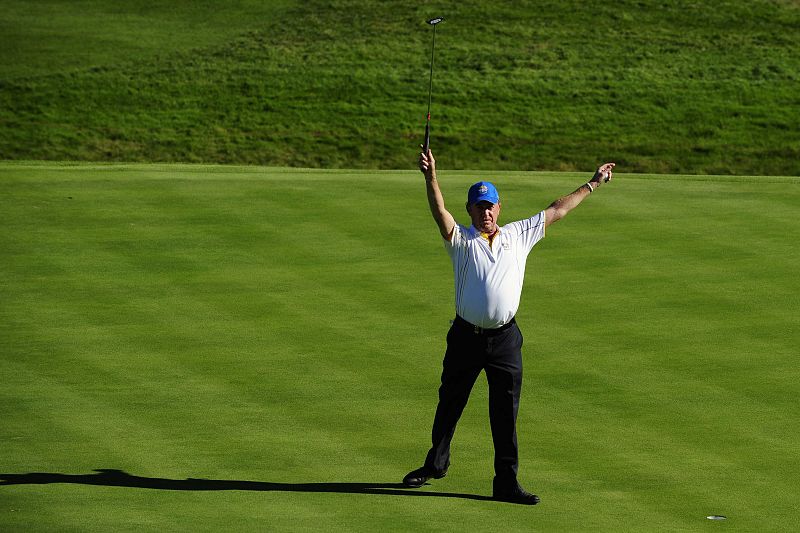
(427, 142)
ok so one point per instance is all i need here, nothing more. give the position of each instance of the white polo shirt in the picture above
(488, 278)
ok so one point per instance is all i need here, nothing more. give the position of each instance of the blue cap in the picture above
(483, 191)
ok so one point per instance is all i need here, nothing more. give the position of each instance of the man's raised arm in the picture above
(443, 218)
(559, 209)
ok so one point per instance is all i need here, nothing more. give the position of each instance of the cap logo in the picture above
(483, 189)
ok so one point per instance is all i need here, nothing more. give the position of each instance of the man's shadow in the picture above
(117, 478)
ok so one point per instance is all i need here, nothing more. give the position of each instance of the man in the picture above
(489, 265)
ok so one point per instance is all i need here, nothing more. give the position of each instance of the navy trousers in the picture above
(469, 351)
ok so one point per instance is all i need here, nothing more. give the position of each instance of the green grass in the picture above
(659, 86)
(43, 38)
(262, 329)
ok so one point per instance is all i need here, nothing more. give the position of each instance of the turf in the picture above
(207, 348)
(670, 86)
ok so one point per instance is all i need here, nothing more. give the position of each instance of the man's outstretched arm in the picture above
(443, 218)
(559, 209)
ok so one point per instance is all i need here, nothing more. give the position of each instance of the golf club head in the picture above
(435, 21)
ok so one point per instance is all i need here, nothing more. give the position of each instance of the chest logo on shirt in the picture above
(506, 245)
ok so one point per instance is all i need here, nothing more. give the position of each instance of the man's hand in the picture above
(603, 174)
(562, 206)
(427, 164)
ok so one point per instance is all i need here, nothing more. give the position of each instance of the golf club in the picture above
(433, 22)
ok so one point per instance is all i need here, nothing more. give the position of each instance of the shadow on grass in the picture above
(118, 478)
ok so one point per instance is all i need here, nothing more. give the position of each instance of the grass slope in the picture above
(259, 349)
(43, 38)
(670, 86)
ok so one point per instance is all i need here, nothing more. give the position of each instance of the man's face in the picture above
(484, 216)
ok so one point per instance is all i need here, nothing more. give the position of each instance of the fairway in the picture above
(221, 348)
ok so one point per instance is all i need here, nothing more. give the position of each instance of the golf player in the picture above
(489, 266)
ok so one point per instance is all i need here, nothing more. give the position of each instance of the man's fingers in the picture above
(426, 161)
(606, 171)
(423, 162)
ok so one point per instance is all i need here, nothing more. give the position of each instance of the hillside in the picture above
(658, 86)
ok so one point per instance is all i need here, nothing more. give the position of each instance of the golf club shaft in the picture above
(426, 143)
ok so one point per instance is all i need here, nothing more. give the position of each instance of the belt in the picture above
(477, 330)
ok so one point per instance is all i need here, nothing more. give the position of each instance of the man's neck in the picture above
(489, 236)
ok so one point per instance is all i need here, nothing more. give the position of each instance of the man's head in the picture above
(483, 206)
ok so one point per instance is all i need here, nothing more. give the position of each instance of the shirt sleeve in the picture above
(530, 231)
(456, 239)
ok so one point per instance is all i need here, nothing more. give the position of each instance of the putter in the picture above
(433, 22)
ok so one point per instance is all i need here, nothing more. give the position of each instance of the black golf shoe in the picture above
(417, 478)
(513, 493)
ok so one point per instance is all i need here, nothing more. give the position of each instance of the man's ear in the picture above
(466, 206)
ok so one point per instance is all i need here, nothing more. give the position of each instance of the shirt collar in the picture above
(476, 233)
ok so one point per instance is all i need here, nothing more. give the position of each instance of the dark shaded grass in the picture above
(671, 87)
